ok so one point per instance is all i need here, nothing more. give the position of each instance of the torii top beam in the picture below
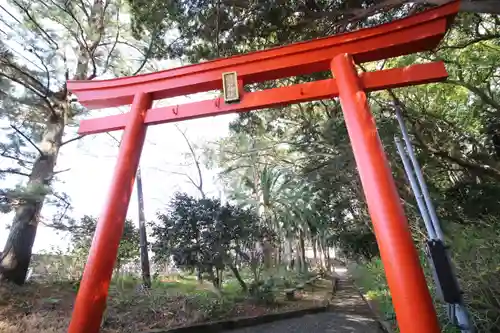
(420, 32)
(337, 54)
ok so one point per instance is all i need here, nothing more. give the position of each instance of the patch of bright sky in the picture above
(91, 162)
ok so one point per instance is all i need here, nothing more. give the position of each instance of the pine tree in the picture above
(47, 43)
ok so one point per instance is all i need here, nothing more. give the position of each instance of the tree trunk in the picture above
(298, 256)
(15, 258)
(146, 274)
(199, 276)
(279, 257)
(319, 246)
(267, 250)
(214, 278)
(238, 277)
(289, 254)
(315, 254)
(327, 258)
(302, 249)
(219, 273)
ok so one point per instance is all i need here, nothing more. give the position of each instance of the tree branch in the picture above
(110, 53)
(481, 94)
(37, 82)
(24, 84)
(66, 10)
(32, 19)
(60, 171)
(71, 140)
(19, 160)
(197, 163)
(112, 137)
(191, 180)
(487, 169)
(28, 139)
(84, 10)
(470, 42)
(14, 172)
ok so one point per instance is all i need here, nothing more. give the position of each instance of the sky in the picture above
(92, 159)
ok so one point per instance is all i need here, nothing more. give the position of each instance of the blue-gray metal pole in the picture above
(420, 176)
(458, 311)
(416, 189)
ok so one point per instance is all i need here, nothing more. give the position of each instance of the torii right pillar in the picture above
(410, 295)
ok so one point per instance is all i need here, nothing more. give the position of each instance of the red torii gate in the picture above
(412, 302)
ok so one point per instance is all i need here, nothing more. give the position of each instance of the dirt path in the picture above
(349, 314)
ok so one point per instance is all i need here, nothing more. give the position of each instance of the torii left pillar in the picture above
(91, 299)
(417, 33)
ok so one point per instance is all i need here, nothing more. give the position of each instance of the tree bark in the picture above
(267, 250)
(302, 248)
(315, 254)
(15, 258)
(326, 255)
(145, 269)
(288, 254)
(238, 277)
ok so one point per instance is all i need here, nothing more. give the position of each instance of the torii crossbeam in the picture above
(412, 302)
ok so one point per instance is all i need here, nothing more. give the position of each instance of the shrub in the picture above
(476, 255)
(263, 292)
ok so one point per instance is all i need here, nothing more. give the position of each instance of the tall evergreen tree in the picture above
(45, 44)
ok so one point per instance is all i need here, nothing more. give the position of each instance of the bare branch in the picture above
(110, 53)
(27, 139)
(36, 92)
(63, 199)
(14, 172)
(83, 42)
(198, 185)
(112, 137)
(32, 19)
(190, 179)
(127, 44)
(47, 72)
(60, 171)
(17, 159)
(84, 10)
(147, 54)
(12, 16)
(19, 53)
(71, 140)
(40, 85)
(470, 42)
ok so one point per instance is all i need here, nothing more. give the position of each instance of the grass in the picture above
(476, 256)
(371, 279)
(172, 301)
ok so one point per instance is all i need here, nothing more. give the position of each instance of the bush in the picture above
(263, 292)
(216, 307)
(371, 279)
(476, 255)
